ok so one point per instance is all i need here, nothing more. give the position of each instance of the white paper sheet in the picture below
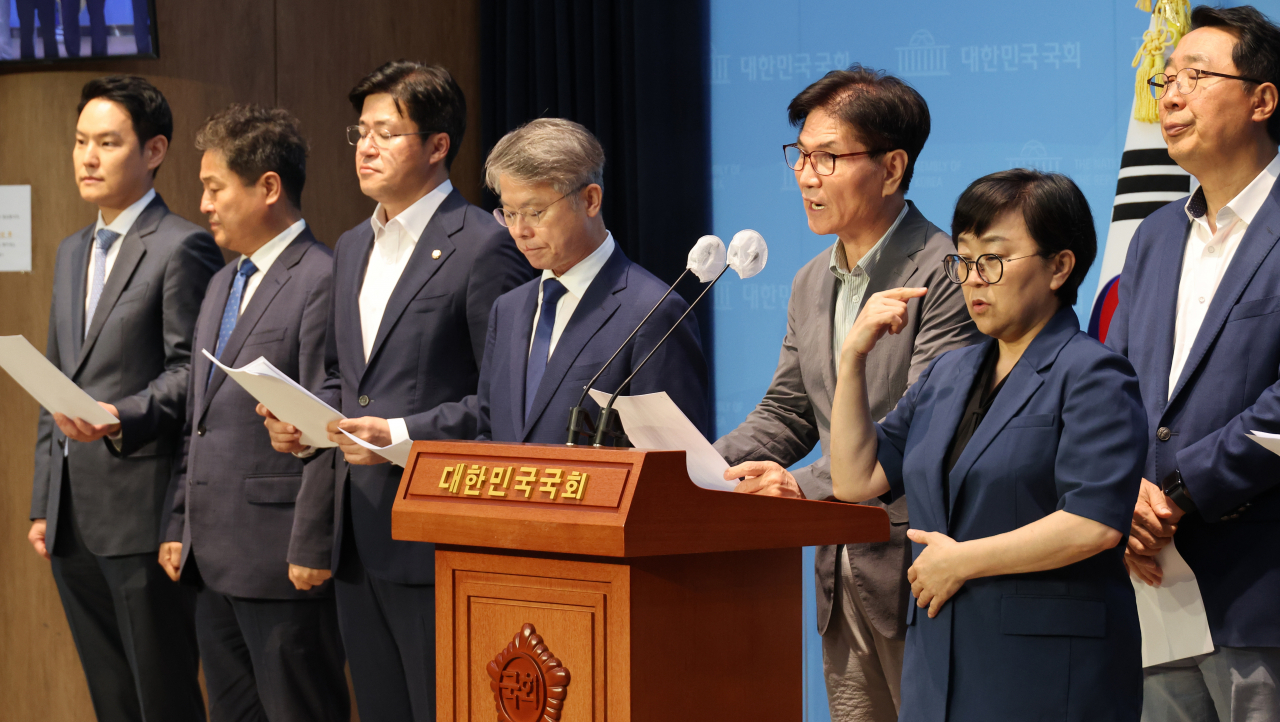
(397, 454)
(1172, 616)
(47, 384)
(289, 401)
(1271, 442)
(653, 421)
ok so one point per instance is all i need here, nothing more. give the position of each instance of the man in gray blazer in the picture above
(125, 297)
(270, 650)
(860, 134)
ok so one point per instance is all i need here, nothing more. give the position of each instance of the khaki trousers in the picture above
(863, 668)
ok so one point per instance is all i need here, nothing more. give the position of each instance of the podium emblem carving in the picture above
(529, 684)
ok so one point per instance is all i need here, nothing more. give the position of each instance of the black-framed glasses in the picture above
(1186, 80)
(531, 218)
(990, 266)
(380, 137)
(823, 163)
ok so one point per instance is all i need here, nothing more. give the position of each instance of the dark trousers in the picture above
(389, 631)
(271, 659)
(27, 10)
(133, 627)
(97, 27)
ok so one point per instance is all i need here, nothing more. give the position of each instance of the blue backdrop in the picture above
(1009, 84)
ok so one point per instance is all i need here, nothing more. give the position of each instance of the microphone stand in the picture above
(609, 417)
(580, 417)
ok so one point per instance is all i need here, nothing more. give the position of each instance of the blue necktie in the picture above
(100, 247)
(231, 312)
(552, 290)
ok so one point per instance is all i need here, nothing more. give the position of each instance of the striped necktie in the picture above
(231, 312)
(101, 245)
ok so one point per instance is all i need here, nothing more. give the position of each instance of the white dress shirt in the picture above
(393, 243)
(575, 280)
(264, 257)
(1207, 257)
(121, 225)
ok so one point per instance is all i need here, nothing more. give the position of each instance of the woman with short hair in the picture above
(1020, 458)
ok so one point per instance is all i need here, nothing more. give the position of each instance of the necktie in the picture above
(552, 290)
(100, 247)
(231, 312)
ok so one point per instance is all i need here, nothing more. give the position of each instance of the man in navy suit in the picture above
(127, 290)
(1199, 318)
(270, 650)
(549, 337)
(412, 289)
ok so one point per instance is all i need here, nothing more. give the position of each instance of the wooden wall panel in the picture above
(300, 54)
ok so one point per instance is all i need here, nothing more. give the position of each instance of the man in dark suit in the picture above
(549, 337)
(127, 290)
(1199, 318)
(412, 289)
(270, 650)
(883, 242)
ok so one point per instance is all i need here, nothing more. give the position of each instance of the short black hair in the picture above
(255, 141)
(145, 104)
(1257, 50)
(425, 94)
(1055, 211)
(885, 113)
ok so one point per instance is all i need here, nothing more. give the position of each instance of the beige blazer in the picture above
(795, 413)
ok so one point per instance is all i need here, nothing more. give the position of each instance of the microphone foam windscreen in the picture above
(707, 258)
(748, 253)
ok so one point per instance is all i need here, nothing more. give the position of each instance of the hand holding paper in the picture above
(397, 454)
(47, 384)
(287, 400)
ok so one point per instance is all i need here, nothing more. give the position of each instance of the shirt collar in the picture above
(579, 277)
(271, 250)
(415, 218)
(868, 261)
(127, 217)
(1246, 204)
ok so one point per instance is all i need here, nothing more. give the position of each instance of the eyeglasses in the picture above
(531, 218)
(823, 163)
(1186, 80)
(380, 138)
(990, 266)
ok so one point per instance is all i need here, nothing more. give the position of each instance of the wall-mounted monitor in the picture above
(62, 30)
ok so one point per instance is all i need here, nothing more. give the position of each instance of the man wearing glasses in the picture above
(549, 337)
(412, 289)
(860, 134)
(1199, 318)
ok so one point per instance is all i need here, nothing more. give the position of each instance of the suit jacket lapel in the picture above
(347, 300)
(206, 336)
(1019, 387)
(518, 361)
(824, 313)
(78, 279)
(596, 307)
(423, 263)
(895, 264)
(277, 276)
(1165, 301)
(947, 420)
(1256, 244)
(132, 249)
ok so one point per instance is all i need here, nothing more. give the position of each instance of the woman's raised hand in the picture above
(884, 312)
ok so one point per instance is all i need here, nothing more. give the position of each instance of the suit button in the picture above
(200, 430)
(364, 400)
(1163, 433)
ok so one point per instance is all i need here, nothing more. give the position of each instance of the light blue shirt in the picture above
(851, 285)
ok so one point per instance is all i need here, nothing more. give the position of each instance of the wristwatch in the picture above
(1176, 490)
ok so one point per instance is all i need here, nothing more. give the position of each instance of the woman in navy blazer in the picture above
(1020, 458)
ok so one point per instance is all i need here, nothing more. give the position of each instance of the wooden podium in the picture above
(576, 583)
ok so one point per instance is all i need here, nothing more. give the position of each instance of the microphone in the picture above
(747, 255)
(706, 256)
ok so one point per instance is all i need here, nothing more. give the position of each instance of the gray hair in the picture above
(547, 150)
